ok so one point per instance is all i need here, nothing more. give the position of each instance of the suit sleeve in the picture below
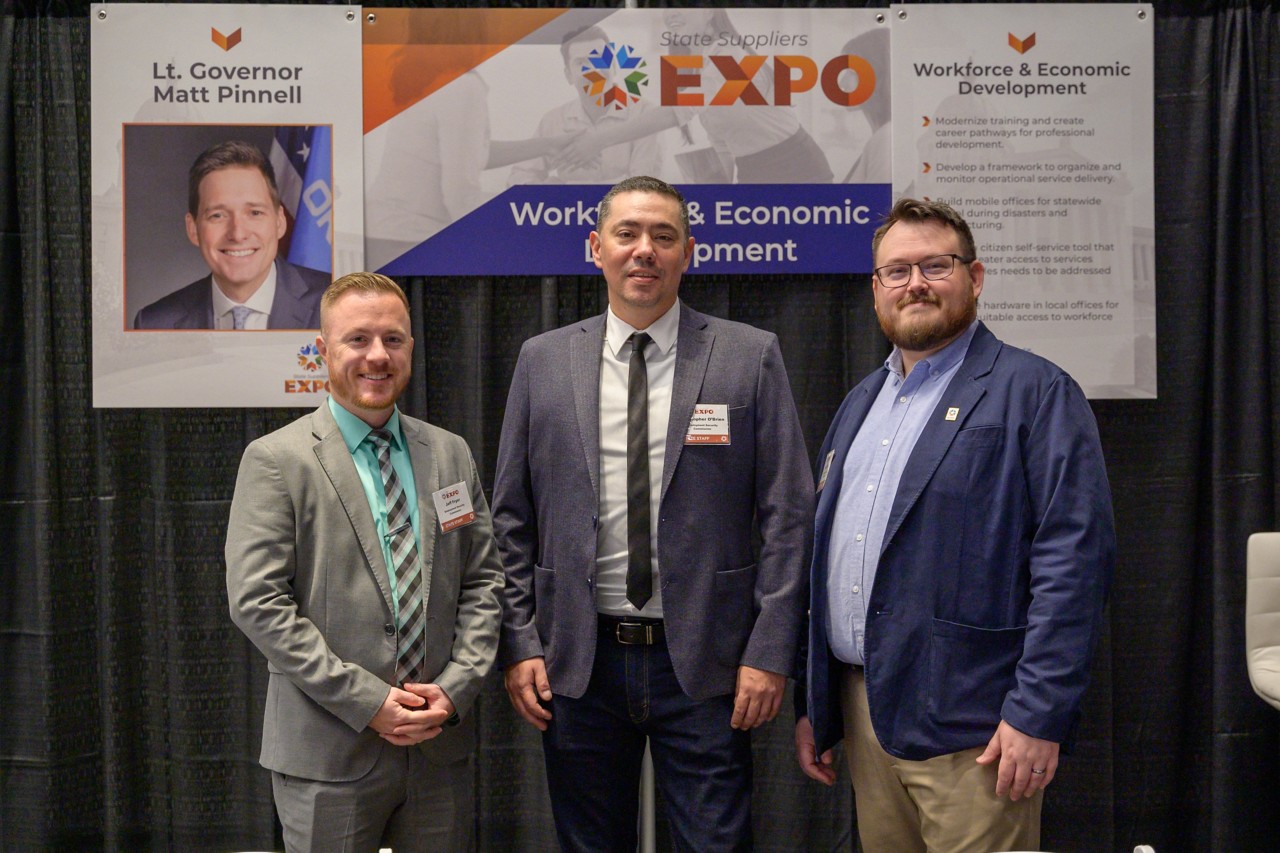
(784, 514)
(1072, 559)
(475, 634)
(515, 523)
(261, 559)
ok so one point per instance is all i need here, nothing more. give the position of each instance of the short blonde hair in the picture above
(370, 283)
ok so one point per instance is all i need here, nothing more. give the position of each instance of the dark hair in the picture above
(642, 184)
(914, 210)
(369, 283)
(224, 155)
(587, 33)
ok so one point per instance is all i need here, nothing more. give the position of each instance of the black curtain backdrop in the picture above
(130, 707)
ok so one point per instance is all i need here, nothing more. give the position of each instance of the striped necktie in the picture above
(406, 568)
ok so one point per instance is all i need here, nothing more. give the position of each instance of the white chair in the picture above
(1262, 616)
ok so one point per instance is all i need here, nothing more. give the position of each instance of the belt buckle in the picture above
(648, 633)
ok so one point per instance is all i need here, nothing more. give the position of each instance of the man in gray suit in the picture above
(361, 563)
(652, 504)
(236, 219)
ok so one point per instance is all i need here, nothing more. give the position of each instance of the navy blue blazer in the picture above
(995, 567)
(734, 521)
(296, 304)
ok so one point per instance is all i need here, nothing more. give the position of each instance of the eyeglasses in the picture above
(934, 268)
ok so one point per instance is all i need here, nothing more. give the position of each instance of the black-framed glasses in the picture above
(933, 268)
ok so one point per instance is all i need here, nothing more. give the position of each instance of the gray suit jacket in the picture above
(296, 304)
(726, 601)
(307, 583)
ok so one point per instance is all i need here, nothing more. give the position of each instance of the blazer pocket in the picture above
(971, 670)
(544, 603)
(974, 460)
(734, 612)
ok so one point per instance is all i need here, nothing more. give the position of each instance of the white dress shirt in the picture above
(259, 304)
(611, 534)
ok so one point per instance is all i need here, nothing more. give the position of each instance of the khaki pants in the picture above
(945, 804)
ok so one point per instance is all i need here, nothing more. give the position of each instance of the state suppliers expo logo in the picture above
(310, 360)
(309, 357)
(614, 75)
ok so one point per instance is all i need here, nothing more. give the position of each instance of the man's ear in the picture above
(594, 238)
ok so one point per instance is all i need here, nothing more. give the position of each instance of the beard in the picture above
(923, 334)
(345, 392)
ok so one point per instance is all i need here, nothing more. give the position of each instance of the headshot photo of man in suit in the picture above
(652, 504)
(236, 219)
(361, 563)
(963, 553)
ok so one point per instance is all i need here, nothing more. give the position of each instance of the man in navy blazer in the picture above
(963, 551)
(701, 656)
(236, 219)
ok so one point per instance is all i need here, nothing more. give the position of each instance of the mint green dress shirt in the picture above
(355, 433)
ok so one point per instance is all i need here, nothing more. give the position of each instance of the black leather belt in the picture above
(633, 632)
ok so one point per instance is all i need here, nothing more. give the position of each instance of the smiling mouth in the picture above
(238, 253)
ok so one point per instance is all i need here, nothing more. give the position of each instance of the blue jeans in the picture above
(594, 746)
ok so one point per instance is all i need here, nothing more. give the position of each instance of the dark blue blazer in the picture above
(995, 567)
(296, 304)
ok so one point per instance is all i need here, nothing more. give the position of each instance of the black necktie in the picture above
(639, 549)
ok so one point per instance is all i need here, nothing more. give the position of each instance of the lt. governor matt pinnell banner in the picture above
(491, 134)
(227, 193)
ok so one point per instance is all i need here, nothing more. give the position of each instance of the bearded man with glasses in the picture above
(963, 551)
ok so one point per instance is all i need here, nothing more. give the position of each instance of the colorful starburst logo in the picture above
(614, 75)
(309, 358)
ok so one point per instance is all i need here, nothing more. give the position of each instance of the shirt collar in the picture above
(663, 330)
(938, 363)
(260, 302)
(354, 430)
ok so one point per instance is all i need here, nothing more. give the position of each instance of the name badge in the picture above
(453, 506)
(709, 424)
(826, 467)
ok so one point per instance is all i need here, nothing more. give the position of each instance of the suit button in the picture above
(389, 629)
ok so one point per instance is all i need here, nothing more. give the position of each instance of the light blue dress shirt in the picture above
(355, 433)
(872, 469)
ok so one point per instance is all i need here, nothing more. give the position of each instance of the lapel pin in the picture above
(953, 413)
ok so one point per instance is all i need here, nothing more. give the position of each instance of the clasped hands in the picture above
(412, 715)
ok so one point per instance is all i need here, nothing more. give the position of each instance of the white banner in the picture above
(216, 304)
(1036, 123)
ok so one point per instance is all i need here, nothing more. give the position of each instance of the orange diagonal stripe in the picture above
(410, 53)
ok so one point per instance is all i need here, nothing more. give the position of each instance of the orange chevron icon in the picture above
(927, 168)
(1022, 45)
(926, 121)
(228, 42)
